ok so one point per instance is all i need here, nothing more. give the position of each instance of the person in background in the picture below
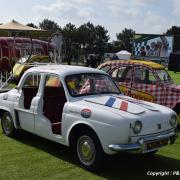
(152, 49)
(164, 47)
(76, 59)
(97, 59)
(92, 61)
(148, 52)
(143, 52)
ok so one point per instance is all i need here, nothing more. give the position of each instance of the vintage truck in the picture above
(83, 108)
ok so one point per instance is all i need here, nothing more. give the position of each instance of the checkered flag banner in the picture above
(152, 45)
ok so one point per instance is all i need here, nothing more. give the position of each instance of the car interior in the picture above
(54, 100)
(30, 89)
(122, 74)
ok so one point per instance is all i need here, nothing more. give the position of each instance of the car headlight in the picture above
(173, 120)
(137, 127)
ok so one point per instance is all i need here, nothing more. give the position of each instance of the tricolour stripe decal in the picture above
(124, 106)
(110, 102)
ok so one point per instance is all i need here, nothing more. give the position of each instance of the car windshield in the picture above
(90, 84)
(163, 75)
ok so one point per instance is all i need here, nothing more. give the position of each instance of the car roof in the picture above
(63, 70)
(134, 62)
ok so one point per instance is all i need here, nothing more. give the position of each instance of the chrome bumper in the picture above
(141, 145)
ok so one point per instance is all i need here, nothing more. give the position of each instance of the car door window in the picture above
(32, 80)
(115, 74)
(53, 81)
(152, 78)
(30, 88)
(143, 75)
(122, 74)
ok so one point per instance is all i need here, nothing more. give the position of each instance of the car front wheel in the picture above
(89, 151)
(7, 124)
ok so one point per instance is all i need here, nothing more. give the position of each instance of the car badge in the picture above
(86, 113)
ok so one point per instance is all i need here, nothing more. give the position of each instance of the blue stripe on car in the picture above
(110, 102)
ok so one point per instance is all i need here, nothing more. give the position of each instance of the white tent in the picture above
(123, 55)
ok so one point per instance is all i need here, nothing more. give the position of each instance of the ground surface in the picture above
(30, 157)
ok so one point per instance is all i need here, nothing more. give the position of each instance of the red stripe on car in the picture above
(124, 106)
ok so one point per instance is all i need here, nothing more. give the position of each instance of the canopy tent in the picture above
(123, 55)
(13, 27)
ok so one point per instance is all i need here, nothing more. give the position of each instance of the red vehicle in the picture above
(11, 49)
(146, 81)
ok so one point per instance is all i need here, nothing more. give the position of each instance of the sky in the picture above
(143, 16)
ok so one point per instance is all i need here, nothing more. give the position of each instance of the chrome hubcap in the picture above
(7, 124)
(86, 150)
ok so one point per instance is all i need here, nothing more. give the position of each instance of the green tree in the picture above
(101, 39)
(31, 25)
(114, 47)
(93, 38)
(70, 41)
(70, 32)
(86, 34)
(47, 24)
(174, 30)
(125, 39)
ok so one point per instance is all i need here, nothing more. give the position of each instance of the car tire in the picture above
(8, 124)
(88, 151)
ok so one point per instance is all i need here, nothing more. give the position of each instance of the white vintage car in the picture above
(83, 108)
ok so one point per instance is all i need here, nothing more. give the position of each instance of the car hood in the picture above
(122, 103)
(129, 109)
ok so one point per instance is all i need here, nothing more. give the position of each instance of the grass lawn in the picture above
(30, 157)
(175, 77)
